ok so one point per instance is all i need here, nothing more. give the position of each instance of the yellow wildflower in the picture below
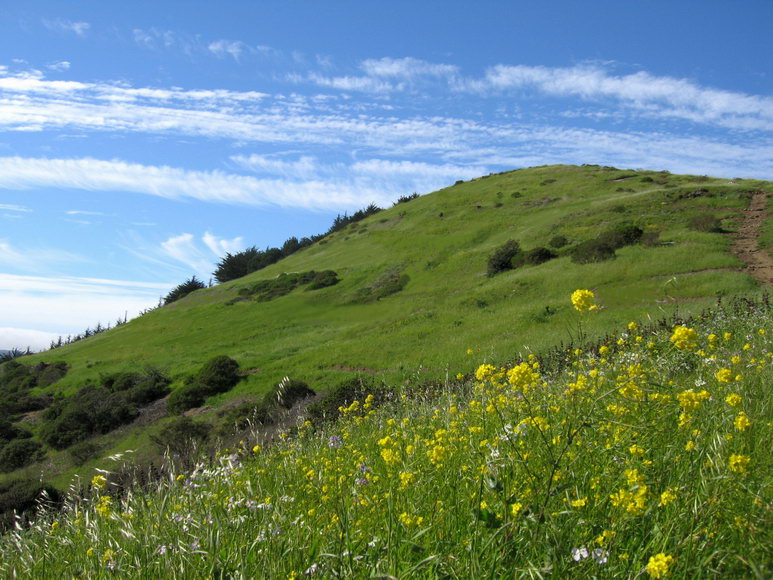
(739, 463)
(742, 422)
(658, 565)
(684, 338)
(583, 300)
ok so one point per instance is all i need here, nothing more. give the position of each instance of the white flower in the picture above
(600, 556)
(579, 553)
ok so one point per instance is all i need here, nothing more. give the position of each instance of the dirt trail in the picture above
(758, 261)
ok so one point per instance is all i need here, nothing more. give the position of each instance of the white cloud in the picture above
(407, 68)
(199, 255)
(169, 182)
(220, 246)
(222, 48)
(82, 212)
(64, 25)
(56, 306)
(23, 338)
(34, 259)
(62, 65)
(305, 167)
(655, 96)
(11, 207)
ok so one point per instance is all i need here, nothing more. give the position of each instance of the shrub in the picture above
(219, 374)
(350, 390)
(323, 280)
(186, 397)
(91, 410)
(80, 453)
(620, 236)
(538, 256)
(502, 258)
(18, 453)
(558, 242)
(181, 434)
(182, 290)
(706, 223)
(592, 251)
(288, 392)
(21, 496)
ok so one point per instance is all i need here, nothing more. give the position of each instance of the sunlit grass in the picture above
(646, 455)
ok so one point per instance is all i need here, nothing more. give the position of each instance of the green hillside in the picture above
(446, 314)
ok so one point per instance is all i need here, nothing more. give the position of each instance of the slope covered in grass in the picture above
(433, 251)
(644, 456)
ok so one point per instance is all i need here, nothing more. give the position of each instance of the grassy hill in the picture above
(446, 315)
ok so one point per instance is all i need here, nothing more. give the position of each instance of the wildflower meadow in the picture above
(646, 455)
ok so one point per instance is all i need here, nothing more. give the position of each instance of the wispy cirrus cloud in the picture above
(34, 260)
(658, 96)
(175, 183)
(12, 207)
(200, 255)
(64, 25)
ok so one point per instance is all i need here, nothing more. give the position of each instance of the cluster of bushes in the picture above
(283, 284)
(240, 264)
(390, 282)
(268, 410)
(100, 409)
(182, 290)
(604, 245)
(21, 497)
(18, 380)
(509, 256)
(218, 375)
(348, 391)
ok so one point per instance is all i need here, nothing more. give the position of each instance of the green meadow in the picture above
(416, 313)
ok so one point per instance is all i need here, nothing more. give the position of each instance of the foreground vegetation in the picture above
(644, 455)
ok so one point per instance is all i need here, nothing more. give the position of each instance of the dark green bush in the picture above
(80, 453)
(621, 236)
(502, 258)
(592, 251)
(18, 453)
(706, 223)
(182, 434)
(22, 496)
(558, 242)
(288, 392)
(91, 410)
(538, 256)
(323, 280)
(219, 374)
(186, 397)
(353, 389)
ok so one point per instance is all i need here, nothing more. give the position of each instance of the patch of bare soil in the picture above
(758, 262)
(347, 369)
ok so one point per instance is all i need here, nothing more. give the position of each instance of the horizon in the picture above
(141, 143)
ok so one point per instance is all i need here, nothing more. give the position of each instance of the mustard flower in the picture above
(658, 565)
(742, 422)
(684, 338)
(724, 375)
(583, 301)
(739, 463)
(733, 399)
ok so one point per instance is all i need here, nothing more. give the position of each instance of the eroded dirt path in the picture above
(758, 261)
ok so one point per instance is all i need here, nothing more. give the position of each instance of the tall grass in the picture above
(646, 456)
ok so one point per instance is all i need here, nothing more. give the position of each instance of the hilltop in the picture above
(415, 298)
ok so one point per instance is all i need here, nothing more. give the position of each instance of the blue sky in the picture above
(140, 141)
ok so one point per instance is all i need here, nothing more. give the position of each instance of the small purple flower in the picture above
(600, 556)
(335, 441)
(579, 553)
(362, 481)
